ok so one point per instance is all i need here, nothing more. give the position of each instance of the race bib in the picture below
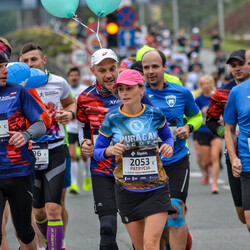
(139, 165)
(41, 153)
(4, 128)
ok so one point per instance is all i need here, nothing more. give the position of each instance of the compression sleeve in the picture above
(195, 120)
(84, 131)
(215, 127)
(36, 130)
(165, 135)
(101, 144)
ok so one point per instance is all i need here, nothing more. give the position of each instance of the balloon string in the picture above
(96, 33)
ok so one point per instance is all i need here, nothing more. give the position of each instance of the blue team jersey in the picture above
(175, 101)
(203, 101)
(16, 105)
(137, 131)
(237, 111)
(140, 134)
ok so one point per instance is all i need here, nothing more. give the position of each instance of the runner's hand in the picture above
(166, 150)
(182, 132)
(64, 116)
(16, 139)
(118, 148)
(236, 167)
(87, 148)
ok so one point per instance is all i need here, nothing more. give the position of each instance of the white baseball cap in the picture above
(102, 54)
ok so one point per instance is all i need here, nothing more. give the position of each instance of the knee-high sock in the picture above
(86, 167)
(42, 225)
(55, 234)
(74, 172)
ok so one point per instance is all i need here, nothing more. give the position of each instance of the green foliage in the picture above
(51, 42)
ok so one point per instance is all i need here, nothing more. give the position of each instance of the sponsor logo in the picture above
(170, 99)
(136, 126)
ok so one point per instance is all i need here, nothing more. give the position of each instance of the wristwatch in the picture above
(191, 128)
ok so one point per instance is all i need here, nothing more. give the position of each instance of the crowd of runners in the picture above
(126, 130)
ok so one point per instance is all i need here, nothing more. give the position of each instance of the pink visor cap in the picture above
(129, 77)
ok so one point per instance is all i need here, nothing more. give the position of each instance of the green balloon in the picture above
(103, 7)
(61, 8)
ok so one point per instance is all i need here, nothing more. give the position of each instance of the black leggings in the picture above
(18, 191)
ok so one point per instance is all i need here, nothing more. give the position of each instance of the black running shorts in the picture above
(49, 182)
(245, 189)
(178, 174)
(104, 195)
(18, 191)
(235, 185)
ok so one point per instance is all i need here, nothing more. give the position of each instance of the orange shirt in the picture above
(45, 116)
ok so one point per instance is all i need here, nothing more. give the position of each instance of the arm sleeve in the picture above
(195, 120)
(101, 144)
(36, 130)
(165, 135)
(213, 125)
(84, 131)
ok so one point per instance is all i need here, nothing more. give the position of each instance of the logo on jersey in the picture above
(170, 99)
(136, 126)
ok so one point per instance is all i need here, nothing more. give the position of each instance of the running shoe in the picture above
(74, 189)
(189, 241)
(214, 189)
(205, 179)
(86, 184)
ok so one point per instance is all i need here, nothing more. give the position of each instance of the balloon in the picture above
(61, 8)
(103, 7)
(19, 73)
(37, 78)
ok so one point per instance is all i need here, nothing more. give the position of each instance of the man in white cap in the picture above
(92, 106)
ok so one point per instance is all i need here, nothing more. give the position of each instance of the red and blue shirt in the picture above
(16, 105)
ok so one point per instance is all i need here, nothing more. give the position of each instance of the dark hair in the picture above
(29, 47)
(73, 69)
(161, 54)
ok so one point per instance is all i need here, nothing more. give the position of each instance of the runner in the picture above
(17, 105)
(237, 112)
(210, 145)
(240, 72)
(93, 104)
(50, 175)
(77, 88)
(141, 188)
(175, 101)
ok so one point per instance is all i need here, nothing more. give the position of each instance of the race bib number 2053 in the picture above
(139, 165)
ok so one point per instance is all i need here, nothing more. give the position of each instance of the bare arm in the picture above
(230, 139)
(69, 110)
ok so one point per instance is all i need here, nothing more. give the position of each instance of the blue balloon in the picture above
(61, 8)
(103, 7)
(37, 78)
(18, 73)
